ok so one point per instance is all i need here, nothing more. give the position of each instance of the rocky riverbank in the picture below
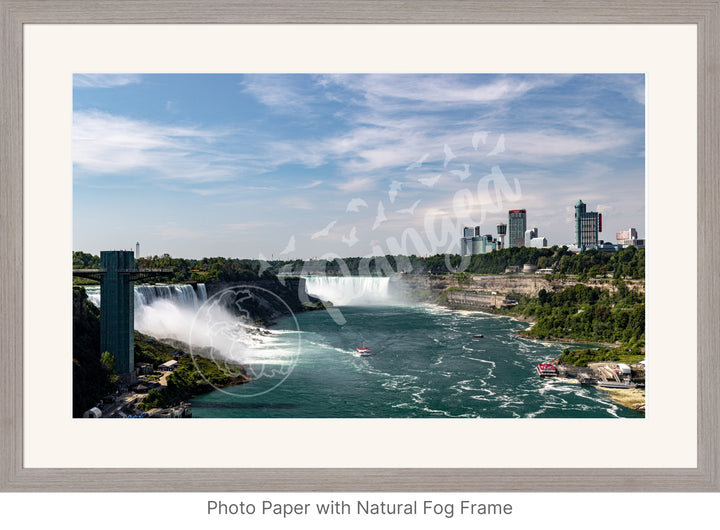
(632, 398)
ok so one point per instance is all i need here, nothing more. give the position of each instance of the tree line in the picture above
(588, 314)
(207, 270)
(627, 263)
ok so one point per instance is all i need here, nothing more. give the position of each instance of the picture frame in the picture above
(15, 477)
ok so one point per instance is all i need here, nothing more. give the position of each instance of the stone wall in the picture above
(461, 298)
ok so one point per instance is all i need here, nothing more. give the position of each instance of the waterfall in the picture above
(183, 295)
(179, 312)
(350, 290)
(162, 311)
(147, 295)
(93, 294)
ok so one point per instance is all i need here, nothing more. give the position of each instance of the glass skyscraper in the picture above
(517, 224)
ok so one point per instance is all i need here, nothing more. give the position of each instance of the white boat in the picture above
(363, 351)
(616, 384)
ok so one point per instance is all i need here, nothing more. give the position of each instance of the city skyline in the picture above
(306, 165)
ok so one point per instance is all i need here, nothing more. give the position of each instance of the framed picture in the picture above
(295, 116)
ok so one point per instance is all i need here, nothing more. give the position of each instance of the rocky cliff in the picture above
(263, 301)
(487, 290)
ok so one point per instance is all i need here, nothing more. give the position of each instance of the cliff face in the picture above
(90, 380)
(476, 287)
(263, 301)
(477, 290)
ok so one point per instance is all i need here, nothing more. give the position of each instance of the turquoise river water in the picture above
(425, 363)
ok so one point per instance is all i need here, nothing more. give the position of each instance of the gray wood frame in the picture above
(15, 13)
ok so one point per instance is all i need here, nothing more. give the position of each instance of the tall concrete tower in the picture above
(137, 250)
(116, 308)
(501, 230)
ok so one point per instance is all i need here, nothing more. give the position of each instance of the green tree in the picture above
(107, 361)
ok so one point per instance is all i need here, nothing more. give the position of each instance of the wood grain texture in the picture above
(15, 13)
(10, 247)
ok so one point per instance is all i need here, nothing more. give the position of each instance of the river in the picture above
(425, 359)
(425, 363)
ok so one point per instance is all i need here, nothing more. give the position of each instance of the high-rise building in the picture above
(517, 224)
(466, 240)
(473, 243)
(587, 226)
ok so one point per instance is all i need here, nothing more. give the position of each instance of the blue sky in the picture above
(300, 166)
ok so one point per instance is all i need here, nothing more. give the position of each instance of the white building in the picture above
(629, 237)
(538, 242)
(168, 366)
(530, 234)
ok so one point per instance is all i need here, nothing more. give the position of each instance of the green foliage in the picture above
(82, 260)
(193, 376)
(583, 357)
(150, 350)
(185, 270)
(626, 263)
(586, 313)
(91, 380)
(107, 361)
(463, 278)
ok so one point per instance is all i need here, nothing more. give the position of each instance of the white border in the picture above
(666, 53)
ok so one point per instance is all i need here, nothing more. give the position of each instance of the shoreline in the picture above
(531, 321)
(572, 341)
(631, 398)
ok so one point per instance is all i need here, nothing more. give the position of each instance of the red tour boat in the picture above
(546, 369)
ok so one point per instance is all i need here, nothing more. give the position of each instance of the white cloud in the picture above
(108, 144)
(277, 92)
(104, 80)
(313, 184)
(539, 145)
(357, 184)
(440, 89)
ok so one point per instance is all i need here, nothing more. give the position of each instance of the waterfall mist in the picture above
(167, 311)
(182, 313)
(351, 290)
